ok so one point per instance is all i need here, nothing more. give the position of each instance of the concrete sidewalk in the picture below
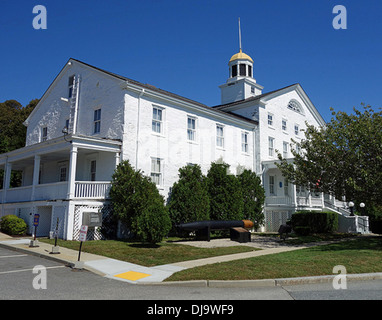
(125, 271)
(107, 267)
(133, 273)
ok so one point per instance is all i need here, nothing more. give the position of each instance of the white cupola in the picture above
(241, 84)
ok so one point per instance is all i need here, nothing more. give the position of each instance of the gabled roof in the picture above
(263, 98)
(146, 87)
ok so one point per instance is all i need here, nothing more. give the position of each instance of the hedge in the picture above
(13, 225)
(314, 222)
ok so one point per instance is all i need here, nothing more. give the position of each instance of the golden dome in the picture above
(240, 55)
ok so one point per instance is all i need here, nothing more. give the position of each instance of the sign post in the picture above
(83, 233)
(36, 221)
(55, 248)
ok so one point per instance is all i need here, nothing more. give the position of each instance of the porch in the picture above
(57, 191)
(59, 169)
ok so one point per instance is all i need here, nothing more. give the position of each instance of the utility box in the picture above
(92, 219)
(240, 235)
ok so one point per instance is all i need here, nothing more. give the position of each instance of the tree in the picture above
(344, 158)
(253, 197)
(137, 203)
(13, 131)
(189, 199)
(226, 197)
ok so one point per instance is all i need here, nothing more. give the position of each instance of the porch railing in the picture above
(57, 190)
(92, 189)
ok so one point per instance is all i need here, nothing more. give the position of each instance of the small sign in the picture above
(83, 233)
(36, 220)
(92, 219)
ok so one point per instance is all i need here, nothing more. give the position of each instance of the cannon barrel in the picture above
(215, 225)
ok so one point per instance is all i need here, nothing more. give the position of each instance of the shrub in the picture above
(135, 198)
(316, 221)
(226, 197)
(302, 231)
(189, 199)
(153, 223)
(13, 225)
(253, 197)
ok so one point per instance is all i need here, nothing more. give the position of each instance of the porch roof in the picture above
(55, 148)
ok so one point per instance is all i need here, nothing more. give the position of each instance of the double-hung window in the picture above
(272, 185)
(63, 173)
(296, 129)
(70, 86)
(93, 170)
(284, 125)
(44, 134)
(97, 121)
(270, 119)
(156, 171)
(157, 125)
(244, 142)
(220, 136)
(271, 147)
(285, 149)
(191, 128)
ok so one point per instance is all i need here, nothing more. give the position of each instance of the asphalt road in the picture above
(58, 282)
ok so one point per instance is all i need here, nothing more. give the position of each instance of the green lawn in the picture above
(360, 255)
(146, 254)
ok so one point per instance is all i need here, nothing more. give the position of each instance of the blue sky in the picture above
(184, 46)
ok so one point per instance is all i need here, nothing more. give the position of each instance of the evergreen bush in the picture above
(189, 200)
(135, 198)
(316, 221)
(226, 197)
(13, 225)
(253, 197)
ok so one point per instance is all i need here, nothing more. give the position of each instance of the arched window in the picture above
(295, 106)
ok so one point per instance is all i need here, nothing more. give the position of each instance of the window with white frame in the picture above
(93, 170)
(44, 134)
(295, 106)
(244, 142)
(272, 185)
(157, 125)
(286, 188)
(97, 121)
(271, 146)
(284, 125)
(270, 119)
(63, 173)
(191, 128)
(220, 136)
(296, 129)
(70, 86)
(285, 149)
(156, 171)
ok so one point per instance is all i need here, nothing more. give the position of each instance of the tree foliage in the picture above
(189, 200)
(137, 203)
(344, 158)
(226, 196)
(13, 131)
(253, 197)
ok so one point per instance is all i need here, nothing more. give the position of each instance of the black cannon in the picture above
(203, 228)
(284, 230)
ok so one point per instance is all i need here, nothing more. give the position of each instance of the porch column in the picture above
(7, 179)
(117, 159)
(72, 173)
(294, 195)
(36, 174)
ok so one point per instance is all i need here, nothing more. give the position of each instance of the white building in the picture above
(89, 120)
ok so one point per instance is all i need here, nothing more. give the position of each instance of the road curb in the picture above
(266, 282)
